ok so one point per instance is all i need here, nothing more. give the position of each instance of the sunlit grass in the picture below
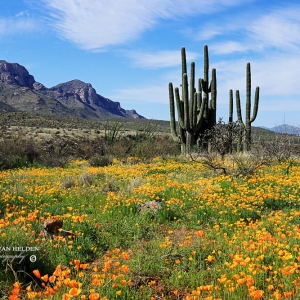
(216, 236)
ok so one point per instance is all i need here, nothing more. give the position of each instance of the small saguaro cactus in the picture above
(248, 119)
(230, 119)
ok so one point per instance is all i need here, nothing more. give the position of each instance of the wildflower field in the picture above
(215, 236)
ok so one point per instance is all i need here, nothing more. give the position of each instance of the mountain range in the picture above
(20, 92)
(284, 128)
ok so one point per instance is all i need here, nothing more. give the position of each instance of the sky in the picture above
(129, 50)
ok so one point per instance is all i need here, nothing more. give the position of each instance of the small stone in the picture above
(52, 225)
(66, 233)
(149, 206)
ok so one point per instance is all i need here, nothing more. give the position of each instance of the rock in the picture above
(52, 225)
(38, 86)
(66, 233)
(149, 206)
(13, 73)
(84, 92)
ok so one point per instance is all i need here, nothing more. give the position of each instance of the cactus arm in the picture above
(199, 85)
(182, 135)
(185, 96)
(240, 120)
(248, 94)
(199, 94)
(192, 92)
(183, 62)
(213, 101)
(206, 64)
(195, 110)
(202, 108)
(238, 107)
(192, 81)
(214, 89)
(179, 108)
(172, 114)
(255, 108)
(200, 116)
(204, 85)
(230, 106)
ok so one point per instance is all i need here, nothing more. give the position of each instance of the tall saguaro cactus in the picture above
(248, 119)
(195, 112)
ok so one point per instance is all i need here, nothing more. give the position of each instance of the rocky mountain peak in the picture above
(13, 73)
(84, 91)
(72, 85)
(74, 95)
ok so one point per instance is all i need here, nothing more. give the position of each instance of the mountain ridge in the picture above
(20, 91)
(284, 128)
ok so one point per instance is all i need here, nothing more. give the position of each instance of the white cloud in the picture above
(208, 34)
(94, 24)
(14, 26)
(159, 59)
(229, 47)
(22, 13)
(279, 29)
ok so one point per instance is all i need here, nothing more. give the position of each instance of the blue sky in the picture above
(129, 50)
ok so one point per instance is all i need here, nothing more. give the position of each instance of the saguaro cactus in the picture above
(248, 120)
(195, 112)
(230, 120)
(211, 109)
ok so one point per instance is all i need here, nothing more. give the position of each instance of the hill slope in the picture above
(20, 92)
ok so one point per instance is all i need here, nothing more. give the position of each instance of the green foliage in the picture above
(206, 224)
(279, 204)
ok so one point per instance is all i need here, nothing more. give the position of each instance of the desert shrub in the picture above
(86, 179)
(100, 161)
(88, 148)
(281, 147)
(164, 146)
(17, 152)
(234, 165)
(121, 148)
(60, 147)
(68, 182)
(110, 185)
(222, 136)
(53, 161)
(147, 132)
(158, 146)
(112, 130)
